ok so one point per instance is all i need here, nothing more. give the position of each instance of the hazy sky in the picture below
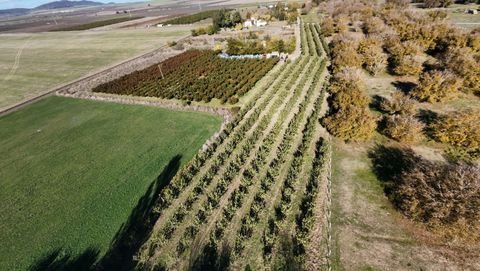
(4, 4)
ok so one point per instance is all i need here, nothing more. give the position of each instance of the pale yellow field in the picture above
(31, 64)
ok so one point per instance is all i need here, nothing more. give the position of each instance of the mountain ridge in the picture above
(50, 6)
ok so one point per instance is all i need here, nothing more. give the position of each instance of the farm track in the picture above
(16, 64)
(269, 161)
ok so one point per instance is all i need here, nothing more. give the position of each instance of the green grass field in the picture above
(72, 172)
(30, 64)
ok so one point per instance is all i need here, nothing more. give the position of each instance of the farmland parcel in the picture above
(72, 172)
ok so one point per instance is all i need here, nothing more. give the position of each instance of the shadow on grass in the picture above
(211, 257)
(376, 103)
(404, 86)
(428, 118)
(390, 162)
(58, 261)
(127, 241)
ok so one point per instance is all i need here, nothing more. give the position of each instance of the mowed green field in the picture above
(72, 171)
(30, 64)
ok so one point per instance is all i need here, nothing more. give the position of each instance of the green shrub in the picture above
(351, 124)
(399, 104)
(344, 54)
(464, 63)
(347, 78)
(460, 129)
(374, 59)
(405, 129)
(349, 97)
(406, 65)
(437, 86)
(327, 26)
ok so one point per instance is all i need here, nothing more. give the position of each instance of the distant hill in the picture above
(51, 5)
(14, 11)
(68, 4)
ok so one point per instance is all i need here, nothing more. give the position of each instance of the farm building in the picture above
(254, 22)
(472, 11)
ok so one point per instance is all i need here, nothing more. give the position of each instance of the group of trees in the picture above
(414, 45)
(400, 122)
(254, 46)
(225, 19)
(461, 130)
(445, 59)
(349, 117)
(442, 195)
(455, 51)
(437, 86)
(221, 19)
(283, 12)
(204, 77)
(401, 41)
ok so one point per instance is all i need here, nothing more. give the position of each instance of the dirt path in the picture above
(16, 64)
(319, 251)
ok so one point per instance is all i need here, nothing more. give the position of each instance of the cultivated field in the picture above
(79, 178)
(254, 199)
(30, 64)
(193, 76)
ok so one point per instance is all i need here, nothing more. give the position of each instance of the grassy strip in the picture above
(96, 24)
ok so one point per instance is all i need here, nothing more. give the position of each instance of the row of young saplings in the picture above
(313, 48)
(256, 201)
(317, 35)
(260, 155)
(202, 77)
(224, 79)
(234, 168)
(212, 201)
(314, 40)
(194, 166)
(290, 189)
(259, 202)
(225, 144)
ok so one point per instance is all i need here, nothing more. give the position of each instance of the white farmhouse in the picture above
(260, 23)
(248, 24)
(254, 22)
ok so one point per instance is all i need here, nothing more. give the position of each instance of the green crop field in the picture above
(30, 64)
(72, 172)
